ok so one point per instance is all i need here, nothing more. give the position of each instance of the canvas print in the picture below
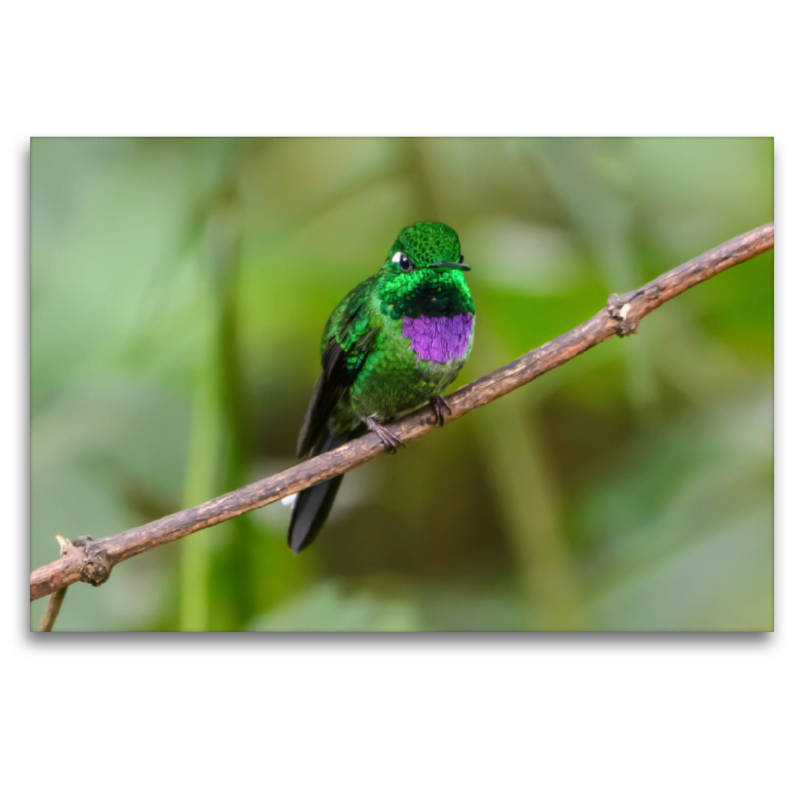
(401, 385)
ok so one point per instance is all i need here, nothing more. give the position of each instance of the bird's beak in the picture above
(450, 265)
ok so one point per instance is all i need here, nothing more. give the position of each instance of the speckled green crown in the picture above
(427, 243)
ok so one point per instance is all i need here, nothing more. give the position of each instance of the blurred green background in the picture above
(179, 289)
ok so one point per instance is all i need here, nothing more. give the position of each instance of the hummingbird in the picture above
(393, 344)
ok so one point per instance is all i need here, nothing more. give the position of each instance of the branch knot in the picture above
(96, 566)
(618, 308)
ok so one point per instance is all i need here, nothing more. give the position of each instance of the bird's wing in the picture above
(346, 343)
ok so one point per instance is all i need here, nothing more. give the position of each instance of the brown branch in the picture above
(57, 598)
(51, 612)
(91, 561)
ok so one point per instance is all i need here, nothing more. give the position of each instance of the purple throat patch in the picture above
(438, 338)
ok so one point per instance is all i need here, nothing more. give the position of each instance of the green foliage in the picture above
(179, 292)
(327, 607)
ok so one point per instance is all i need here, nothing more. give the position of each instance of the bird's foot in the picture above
(439, 406)
(384, 434)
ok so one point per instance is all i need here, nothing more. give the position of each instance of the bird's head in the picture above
(426, 245)
(424, 273)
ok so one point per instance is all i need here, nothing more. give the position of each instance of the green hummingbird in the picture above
(393, 344)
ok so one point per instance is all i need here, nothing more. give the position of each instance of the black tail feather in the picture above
(312, 506)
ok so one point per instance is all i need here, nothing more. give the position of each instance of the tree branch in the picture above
(91, 561)
(57, 598)
(51, 612)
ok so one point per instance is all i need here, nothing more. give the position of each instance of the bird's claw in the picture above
(389, 439)
(439, 406)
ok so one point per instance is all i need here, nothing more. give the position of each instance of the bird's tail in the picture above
(312, 505)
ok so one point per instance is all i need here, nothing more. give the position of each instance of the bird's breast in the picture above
(438, 338)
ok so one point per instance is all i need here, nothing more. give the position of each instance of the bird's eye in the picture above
(460, 258)
(402, 260)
